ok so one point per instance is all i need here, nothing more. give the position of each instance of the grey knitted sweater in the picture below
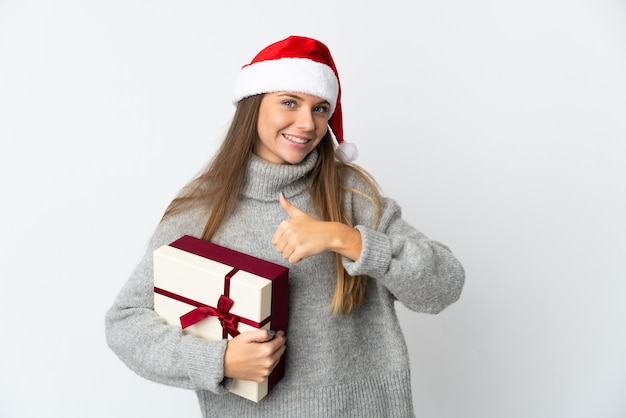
(355, 365)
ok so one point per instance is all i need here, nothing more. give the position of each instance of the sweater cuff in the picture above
(375, 254)
(205, 364)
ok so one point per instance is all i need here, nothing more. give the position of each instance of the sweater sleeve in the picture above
(421, 273)
(152, 349)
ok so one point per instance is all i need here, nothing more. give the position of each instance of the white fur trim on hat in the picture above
(288, 74)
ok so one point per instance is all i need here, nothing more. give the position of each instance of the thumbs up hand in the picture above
(302, 236)
(290, 209)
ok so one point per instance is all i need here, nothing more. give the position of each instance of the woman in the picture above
(279, 188)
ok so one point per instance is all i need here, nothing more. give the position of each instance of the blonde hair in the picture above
(220, 182)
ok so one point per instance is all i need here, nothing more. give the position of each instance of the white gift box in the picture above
(214, 292)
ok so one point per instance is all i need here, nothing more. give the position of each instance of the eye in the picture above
(321, 109)
(289, 103)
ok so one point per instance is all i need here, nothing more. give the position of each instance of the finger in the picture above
(288, 246)
(280, 230)
(290, 253)
(280, 344)
(287, 253)
(276, 238)
(256, 336)
(277, 355)
(290, 209)
(282, 337)
(294, 258)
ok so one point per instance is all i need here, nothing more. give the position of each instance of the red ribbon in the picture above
(229, 321)
(224, 303)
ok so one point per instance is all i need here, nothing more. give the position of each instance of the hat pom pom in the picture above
(347, 152)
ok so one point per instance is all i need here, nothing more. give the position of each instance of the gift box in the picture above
(214, 293)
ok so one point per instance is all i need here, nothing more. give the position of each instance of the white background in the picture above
(500, 127)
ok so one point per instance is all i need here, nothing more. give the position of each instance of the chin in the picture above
(295, 159)
(298, 160)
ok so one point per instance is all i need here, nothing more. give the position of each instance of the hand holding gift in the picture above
(253, 355)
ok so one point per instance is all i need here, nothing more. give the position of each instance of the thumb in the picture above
(257, 336)
(290, 209)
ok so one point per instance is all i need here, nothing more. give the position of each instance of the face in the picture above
(290, 126)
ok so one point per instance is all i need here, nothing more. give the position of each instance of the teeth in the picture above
(295, 139)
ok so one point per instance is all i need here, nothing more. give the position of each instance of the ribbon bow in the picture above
(229, 321)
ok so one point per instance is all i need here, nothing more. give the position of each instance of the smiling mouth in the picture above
(296, 139)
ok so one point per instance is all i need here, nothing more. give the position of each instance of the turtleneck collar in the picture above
(264, 180)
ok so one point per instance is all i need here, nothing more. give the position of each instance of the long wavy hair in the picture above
(219, 184)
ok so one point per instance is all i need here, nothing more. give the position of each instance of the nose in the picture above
(305, 121)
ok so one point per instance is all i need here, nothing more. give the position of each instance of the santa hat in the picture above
(302, 65)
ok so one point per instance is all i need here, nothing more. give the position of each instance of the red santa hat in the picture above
(297, 64)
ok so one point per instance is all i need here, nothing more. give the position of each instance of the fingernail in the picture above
(272, 333)
(282, 192)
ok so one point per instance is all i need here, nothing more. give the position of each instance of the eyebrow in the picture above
(295, 96)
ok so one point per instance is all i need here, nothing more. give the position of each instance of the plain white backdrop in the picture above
(500, 127)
